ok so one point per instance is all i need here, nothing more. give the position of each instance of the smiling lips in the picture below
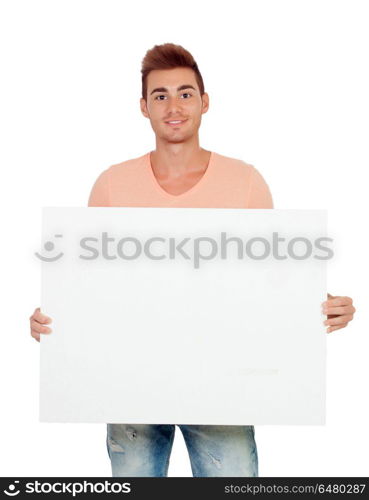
(175, 123)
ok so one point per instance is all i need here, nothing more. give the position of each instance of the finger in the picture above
(338, 301)
(339, 310)
(41, 318)
(332, 328)
(39, 328)
(35, 335)
(339, 320)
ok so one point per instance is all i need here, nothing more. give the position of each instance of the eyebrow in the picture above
(181, 87)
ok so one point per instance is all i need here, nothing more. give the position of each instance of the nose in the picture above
(173, 105)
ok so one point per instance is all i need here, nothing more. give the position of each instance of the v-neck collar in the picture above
(195, 187)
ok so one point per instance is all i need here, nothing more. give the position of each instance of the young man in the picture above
(179, 173)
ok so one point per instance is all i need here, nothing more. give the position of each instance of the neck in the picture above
(170, 158)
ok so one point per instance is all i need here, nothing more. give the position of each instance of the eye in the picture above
(161, 95)
(187, 93)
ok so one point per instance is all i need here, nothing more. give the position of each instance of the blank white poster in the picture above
(183, 315)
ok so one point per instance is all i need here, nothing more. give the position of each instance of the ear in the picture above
(143, 107)
(205, 102)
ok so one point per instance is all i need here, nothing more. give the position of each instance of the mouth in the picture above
(175, 123)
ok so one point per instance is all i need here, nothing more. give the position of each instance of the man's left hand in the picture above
(339, 310)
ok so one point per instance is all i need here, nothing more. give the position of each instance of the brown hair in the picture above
(168, 56)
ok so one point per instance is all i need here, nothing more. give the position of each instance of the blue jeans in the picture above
(214, 450)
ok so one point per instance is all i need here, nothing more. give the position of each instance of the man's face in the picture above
(173, 95)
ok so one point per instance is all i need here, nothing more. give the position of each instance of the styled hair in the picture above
(168, 56)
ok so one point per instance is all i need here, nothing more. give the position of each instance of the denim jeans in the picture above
(214, 450)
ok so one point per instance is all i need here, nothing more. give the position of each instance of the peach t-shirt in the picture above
(226, 183)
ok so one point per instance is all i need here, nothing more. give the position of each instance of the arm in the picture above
(259, 192)
(340, 309)
(100, 192)
(99, 197)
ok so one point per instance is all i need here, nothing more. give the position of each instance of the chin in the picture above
(176, 138)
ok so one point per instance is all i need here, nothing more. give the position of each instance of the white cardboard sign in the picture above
(158, 319)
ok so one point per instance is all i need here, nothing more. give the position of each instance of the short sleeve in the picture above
(99, 196)
(259, 194)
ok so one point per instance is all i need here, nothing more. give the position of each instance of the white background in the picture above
(288, 93)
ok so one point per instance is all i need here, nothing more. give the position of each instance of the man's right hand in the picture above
(37, 322)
